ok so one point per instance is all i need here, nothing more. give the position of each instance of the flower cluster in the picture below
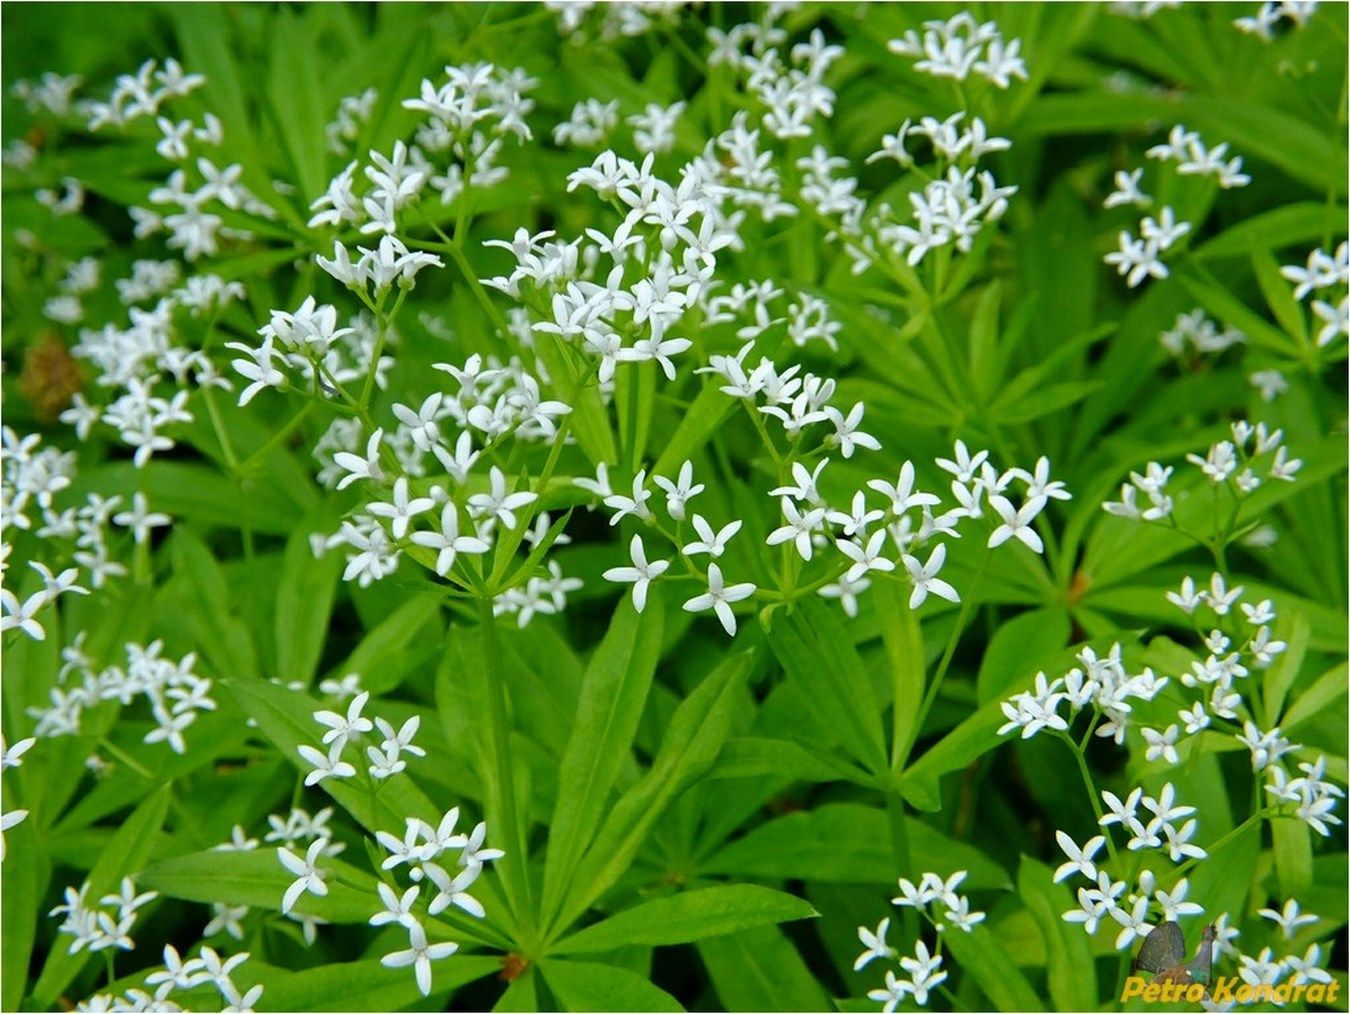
(106, 924)
(959, 46)
(386, 760)
(180, 975)
(176, 695)
(1139, 258)
(923, 972)
(1325, 277)
(1235, 466)
(421, 850)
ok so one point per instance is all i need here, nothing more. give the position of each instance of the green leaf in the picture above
(1291, 842)
(124, 856)
(1279, 295)
(1070, 971)
(1292, 628)
(983, 959)
(256, 878)
(590, 418)
(294, 88)
(698, 423)
(586, 986)
(1017, 648)
(848, 843)
(304, 607)
(224, 639)
(1288, 225)
(759, 969)
(194, 492)
(690, 747)
(762, 756)
(394, 633)
(692, 915)
(27, 873)
(361, 985)
(613, 694)
(286, 718)
(903, 640)
(818, 655)
(1327, 688)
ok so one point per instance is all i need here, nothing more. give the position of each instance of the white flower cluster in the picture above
(51, 93)
(1269, 15)
(95, 927)
(1139, 258)
(354, 112)
(421, 849)
(467, 118)
(1325, 277)
(859, 533)
(173, 691)
(1103, 683)
(386, 760)
(792, 92)
(140, 94)
(589, 125)
(622, 19)
(924, 970)
(961, 45)
(207, 969)
(197, 226)
(1195, 333)
(1108, 899)
(950, 210)
(1232, 464)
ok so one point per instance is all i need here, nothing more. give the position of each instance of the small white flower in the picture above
(640, 574)
(719, 597)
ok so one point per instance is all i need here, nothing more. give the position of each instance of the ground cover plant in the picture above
(655, 507)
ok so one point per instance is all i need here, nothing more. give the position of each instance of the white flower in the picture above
(329, 765)
(448, 542)
(641, 573)
(865, 557)
(1161, 745)
(343, 727)
(875, 943)
(308, 876)
(719, 598)
(799, 528)
(635, 505)
(710, 542)
(680, 492)
(1080, 860)
(923, 971)
(498, 503)
(1016, 522)
(925, 577)
(420, 955)
(1289, 918)
(396, 909)
(402, 509)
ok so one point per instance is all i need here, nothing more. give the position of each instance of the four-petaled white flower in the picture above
(641, 574)
(719, 597)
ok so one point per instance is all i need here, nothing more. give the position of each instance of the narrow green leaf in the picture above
(393, 634)
(586, 986)
(816, 652)
(697, 425)
(690, 747)
(1279, 294)
(848, 843)
(361, 985)
(613, 694)
(983, 959)
(1070, 971)
(692, 915)
(759, 969)
(304, 607)
(256, 878)
(1016, 649)
(903, 640)
(1327, 688)
(222, 637)
(295, 91)
(1292, 628)
(27, 872)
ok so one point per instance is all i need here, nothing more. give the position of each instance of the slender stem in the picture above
(125, 758)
